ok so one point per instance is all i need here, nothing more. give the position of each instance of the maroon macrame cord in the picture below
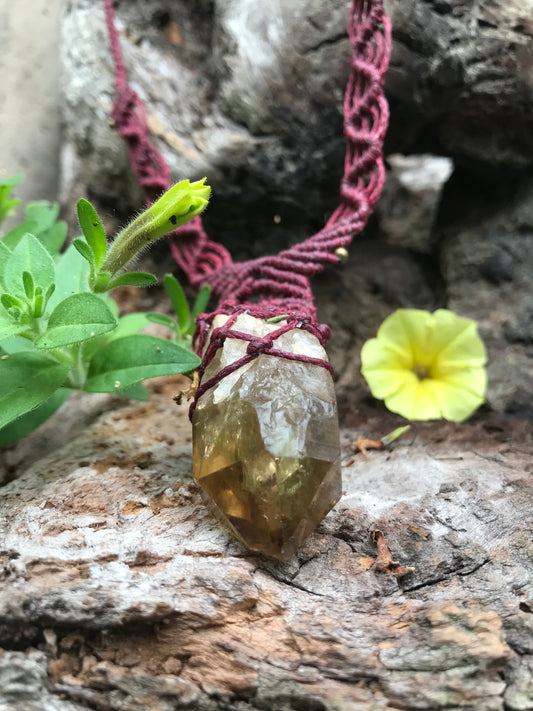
(281, 282)
(256, 347)
(151, 170)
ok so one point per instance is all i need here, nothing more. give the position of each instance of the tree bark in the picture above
(119, 589)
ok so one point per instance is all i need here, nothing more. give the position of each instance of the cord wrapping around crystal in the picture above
(266, 436)
(265, 431)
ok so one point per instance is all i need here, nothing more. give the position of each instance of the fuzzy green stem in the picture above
(78, 373)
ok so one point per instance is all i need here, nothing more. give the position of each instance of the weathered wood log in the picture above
(120, 590)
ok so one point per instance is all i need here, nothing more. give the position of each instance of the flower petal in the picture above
(457, 343)
(383, 369)
(406, 332)
(378, 355)
(384, 383)
(456, 401)
(415, 401)
(412, 341)
(472, 380)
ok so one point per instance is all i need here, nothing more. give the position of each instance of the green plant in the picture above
(182, 327)
(60, 330)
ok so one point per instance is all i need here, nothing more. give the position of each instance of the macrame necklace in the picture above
(265, 427)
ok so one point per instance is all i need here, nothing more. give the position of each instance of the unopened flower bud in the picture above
(177, 206)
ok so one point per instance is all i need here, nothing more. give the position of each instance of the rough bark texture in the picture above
(120, 590)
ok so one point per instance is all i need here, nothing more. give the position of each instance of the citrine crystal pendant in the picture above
(266, 440)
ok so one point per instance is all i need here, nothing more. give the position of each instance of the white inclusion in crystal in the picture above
(282, 428)
(235, 348)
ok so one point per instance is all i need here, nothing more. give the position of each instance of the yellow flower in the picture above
(427, 366)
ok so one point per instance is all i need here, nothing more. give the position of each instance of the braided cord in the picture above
(286, 275)
(283, 279)
(278, 284)
(197, 255)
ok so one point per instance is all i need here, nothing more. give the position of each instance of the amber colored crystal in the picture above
(266, 441)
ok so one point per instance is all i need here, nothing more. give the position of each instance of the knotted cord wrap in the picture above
(211, 339)
(277, 284)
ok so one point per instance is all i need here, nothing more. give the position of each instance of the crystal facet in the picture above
(266, 440)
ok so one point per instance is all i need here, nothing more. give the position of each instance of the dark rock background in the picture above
(250, 94)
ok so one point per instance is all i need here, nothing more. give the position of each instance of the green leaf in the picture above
(133, 279)
(72, 276)
(201, 301)
(43, 212)
(12, 181)
(27, 379)
(13, 237)
(54, 237)
(28, 284)
(7, 203)
(179, 301)
(15, 344)
(29, 255)
(92, 229)
(113, 306)
(9, 301)
(5, 253)
(31, 420)
(101, 282)
(85, 251)
(132, 359)
(161, 319)
(76, 319)
(395, 434)
(49, 292)
(277, 319)
(14, 308)
(10, 328)
(127, 326)
(40, 299)
(135, 392)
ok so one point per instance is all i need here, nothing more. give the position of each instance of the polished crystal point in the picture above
(266, 440)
